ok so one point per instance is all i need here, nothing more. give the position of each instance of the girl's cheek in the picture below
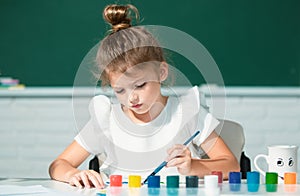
(123, 100)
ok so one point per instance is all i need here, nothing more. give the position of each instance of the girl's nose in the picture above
(133, 97)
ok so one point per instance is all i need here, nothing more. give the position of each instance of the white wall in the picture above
(37, 124)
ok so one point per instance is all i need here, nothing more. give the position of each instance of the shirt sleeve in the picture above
(92, 137)
(88, 140)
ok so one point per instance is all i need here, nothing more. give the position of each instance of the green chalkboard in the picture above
(253, 42)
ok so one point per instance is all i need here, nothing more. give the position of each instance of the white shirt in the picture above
(127, 148)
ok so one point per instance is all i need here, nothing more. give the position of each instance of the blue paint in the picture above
(235, 177)
(154, 182)
(253, 181)
(235, 181)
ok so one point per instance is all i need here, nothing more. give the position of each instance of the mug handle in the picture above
(256, 165)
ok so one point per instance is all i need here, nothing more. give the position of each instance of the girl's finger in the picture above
(75, 181)
(176, 146)
(85, 179)
(99, 179)
(95, 180)
(172, 163)
(177, 161)
(177, 153)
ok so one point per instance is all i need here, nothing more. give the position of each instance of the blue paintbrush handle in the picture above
(156, 170)
(191, 138)
(160, 167)
(163, 164)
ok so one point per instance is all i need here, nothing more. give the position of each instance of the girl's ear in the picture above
(164, 71)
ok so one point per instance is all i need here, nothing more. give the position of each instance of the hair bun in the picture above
(118, 16)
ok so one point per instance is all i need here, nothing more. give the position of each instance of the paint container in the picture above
(290, 182)
(191, 184)
(134, 181)
(219, 174)
(172, 185)
(173, 181)
(235, 181)
(290, 178)
(211, 185)
(154, 185)
(271, 181)
(115, 180)
(253, 181)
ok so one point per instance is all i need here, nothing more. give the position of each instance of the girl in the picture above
(142, 127)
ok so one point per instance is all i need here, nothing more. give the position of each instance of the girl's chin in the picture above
(139, 111)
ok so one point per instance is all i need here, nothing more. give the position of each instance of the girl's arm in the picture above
(220, 158)
(64, 168)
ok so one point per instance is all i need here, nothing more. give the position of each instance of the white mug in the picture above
(280, 159)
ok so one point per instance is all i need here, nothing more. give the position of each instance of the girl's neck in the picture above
(154, 112)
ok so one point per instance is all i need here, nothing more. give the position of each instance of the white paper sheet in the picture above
(10, 190)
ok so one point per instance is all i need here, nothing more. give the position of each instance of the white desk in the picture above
(60, 189)
(54, 187)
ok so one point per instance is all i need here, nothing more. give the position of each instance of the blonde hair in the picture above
(126, 45)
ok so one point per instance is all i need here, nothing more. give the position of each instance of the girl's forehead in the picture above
(134, 74)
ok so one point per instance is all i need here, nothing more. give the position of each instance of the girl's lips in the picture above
(136, 105)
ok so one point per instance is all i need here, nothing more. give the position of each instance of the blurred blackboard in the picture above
(254, 42)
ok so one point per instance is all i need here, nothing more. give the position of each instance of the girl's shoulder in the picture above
(101, 99)
(196, 95)
(100, 102)
(192, 102)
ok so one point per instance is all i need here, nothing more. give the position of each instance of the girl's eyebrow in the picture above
(116, 87)
(138, 81)
(132, 83)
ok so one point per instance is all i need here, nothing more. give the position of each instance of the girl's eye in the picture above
(119, 91)
(141, 85)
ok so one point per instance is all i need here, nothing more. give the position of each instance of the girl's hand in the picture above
(180, 157)
(87, 178)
